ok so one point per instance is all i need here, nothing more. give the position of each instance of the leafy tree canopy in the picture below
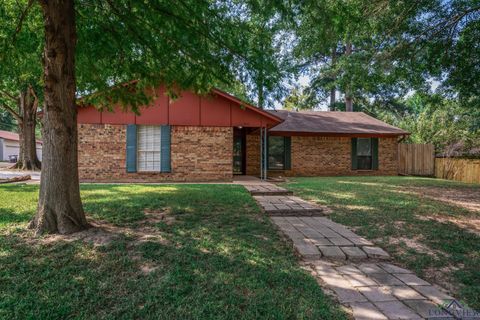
(21, 45)
(186, 44)
(297, 100)
(447, 124)
(193, 44)
(398, 46)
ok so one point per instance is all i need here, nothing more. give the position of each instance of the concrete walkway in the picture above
(350, 267)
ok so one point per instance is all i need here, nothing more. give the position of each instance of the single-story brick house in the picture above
(212, 138)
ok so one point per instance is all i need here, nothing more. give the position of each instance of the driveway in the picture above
(6, 173)
(5, 164)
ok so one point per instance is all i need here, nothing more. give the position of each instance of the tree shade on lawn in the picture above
(186, 45)
(439, 240)
(214, 256)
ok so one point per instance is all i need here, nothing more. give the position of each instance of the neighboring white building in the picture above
(10, 146)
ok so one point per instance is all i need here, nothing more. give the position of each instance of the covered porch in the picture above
(259, 154)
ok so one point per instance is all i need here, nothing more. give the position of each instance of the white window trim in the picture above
(155, 165)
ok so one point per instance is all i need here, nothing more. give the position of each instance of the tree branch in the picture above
(11, 111)
(35, 97)
(21, 19)
(8, 95)
(202, 62)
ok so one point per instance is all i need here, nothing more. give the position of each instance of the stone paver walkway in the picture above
(266, 190)
(381, 290)
(275, 205)
(316, 237)
(349, 266)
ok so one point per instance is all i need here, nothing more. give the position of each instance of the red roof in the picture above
(332, 123)
(7, 135)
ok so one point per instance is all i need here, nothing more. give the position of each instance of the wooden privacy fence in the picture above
(416, 159)
(465, 170)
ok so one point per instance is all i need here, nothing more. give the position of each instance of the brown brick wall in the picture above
(197, 154)
(253, 154)
(317, 156)
(324, 156)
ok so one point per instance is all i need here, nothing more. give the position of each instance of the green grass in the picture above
(220, 259)
(416, 230)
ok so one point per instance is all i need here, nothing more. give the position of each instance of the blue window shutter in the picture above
(165, 142)
(131, 148)
(374, 153)
(354, 154)
(288, 153)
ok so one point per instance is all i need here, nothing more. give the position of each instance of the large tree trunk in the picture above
(333, 91)
(348, 94)
(59, 206)
(27, 107)
(261, 97)
(261, 90)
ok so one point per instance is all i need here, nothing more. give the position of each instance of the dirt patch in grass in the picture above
(156, 216)
(412, 243)
(468, 199)
(443, 276)
(469, 224)
(103, 233)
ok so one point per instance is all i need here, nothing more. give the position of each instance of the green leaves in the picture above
(186, 44)
(398, 47)
(21, 45)
(453, 129)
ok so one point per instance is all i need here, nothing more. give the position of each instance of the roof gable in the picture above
(217, 109)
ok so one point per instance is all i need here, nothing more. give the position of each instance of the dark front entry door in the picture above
(239, 151)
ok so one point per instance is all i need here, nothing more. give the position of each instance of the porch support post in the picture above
(265, 153)
(261, 153)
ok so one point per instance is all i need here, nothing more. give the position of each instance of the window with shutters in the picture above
(364, 153)
(148, 148)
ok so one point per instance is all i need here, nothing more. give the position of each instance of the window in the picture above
(364, 153)
(148, 148)
(276, 153)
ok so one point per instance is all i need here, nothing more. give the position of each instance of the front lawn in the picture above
(212, 256)
(430, 226)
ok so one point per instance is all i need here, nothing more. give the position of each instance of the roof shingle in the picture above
(332, 123)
